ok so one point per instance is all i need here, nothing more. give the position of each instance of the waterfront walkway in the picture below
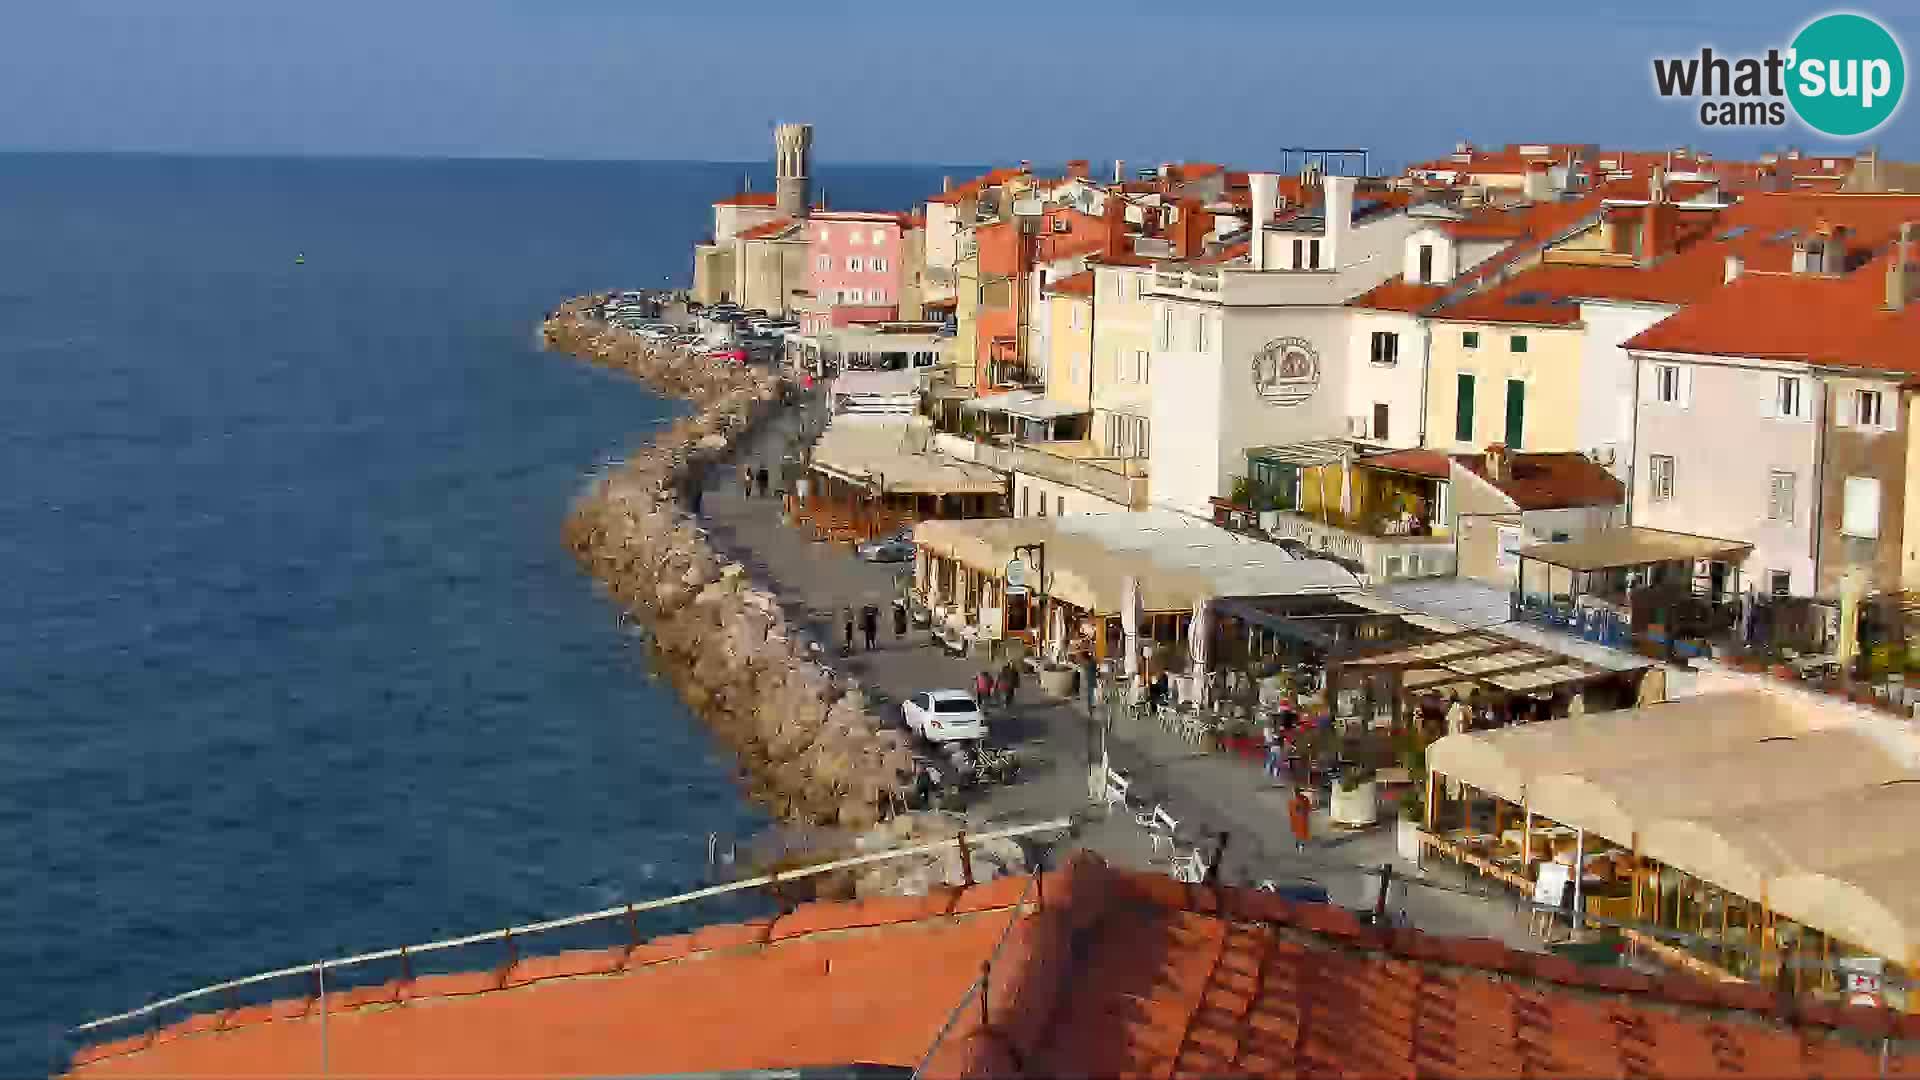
(1207, 792)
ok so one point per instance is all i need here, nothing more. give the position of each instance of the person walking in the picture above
(1272, 738)
(1003, 689)
(983, 688)
(760, 481)
(1300, 818)
(870, 623)
(746, 481)
(1013, 681)
(847, 648)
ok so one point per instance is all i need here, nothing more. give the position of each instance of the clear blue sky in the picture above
(986, 80)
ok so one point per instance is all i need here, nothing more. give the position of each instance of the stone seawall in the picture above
(809, 747)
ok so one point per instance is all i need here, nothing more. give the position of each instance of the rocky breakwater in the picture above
(809, 746)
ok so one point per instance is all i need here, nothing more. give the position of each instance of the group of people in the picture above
(752, 479)
(997, 689)
(869, 626)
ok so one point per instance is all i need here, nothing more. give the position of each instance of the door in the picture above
(1380, 422)
(1426, 262)
(1516, 412)
(1463, 409)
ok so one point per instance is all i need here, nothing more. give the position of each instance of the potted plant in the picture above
(1356, 800)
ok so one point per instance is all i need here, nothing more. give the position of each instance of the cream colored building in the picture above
(1515, 384)
(1069, 361)
(1123, 358)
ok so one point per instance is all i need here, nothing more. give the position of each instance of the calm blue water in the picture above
(292, 660)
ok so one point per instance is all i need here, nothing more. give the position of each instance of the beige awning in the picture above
(893, 454)
(1873, 905)
(1632, 546)
(1742, 850)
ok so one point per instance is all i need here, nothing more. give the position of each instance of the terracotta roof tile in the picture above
(765, 229)
(1432, 463)
(1551, 481)
(1399, 294)
(748, 198)
(1080, 284)
(1117, 974)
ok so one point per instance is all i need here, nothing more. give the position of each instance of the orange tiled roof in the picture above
(1105, 973)
(1842, 321)
(1399, 294)
(748, 198)
(1551, 481)
(976, 185)
(1120, 258)
(1432, 463)
(770, 228)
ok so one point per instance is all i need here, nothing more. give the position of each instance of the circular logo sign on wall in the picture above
(1287, 371)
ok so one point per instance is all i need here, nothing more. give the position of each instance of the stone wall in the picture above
(809, 747)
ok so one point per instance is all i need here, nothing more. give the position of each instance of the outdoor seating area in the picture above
(1739, 835)
(1662, 593)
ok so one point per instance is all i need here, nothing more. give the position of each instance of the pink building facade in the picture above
(853, 268)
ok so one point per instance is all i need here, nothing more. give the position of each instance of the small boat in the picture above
(300, 259)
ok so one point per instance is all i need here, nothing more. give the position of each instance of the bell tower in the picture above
(792, 161)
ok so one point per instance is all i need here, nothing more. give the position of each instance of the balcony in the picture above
(1118, 480)
(1384, 555)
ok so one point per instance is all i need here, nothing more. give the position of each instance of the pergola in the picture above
(1456, 665)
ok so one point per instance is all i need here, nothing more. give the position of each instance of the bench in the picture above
(1114, 787)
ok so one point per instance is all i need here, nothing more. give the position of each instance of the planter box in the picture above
(1406, 839)
(1058, 682)
(1361, 806)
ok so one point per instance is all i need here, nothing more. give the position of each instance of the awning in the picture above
(891, 453)
(1632, 545)
(1024, 404)
(1427, 464)
(1305, 454)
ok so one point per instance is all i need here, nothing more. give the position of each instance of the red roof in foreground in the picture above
(1105, 973)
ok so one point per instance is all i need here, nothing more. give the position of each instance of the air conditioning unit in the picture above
(1061, 225)
(1357, 427)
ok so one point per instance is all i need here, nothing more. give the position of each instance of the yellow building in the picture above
(1513, 383)
(1069, 360)
(1123, 355)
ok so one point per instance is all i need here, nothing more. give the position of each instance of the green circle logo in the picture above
(1847, 75)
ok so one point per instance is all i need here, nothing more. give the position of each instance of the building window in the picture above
(825, 234)
(876, 296)
(1200, 340)
(1386, 348)
(1470, 339)
(877, 264)
(825, 262)
(854, 263)
(1666, 383)
(1380, 421)
(1463, 409)
(1867, 408)
(1043, 504)
(1140, 286)
(1780, 496)
(1860, 509)
(1779, 583)
(1516, 412)
(1299, 254)
(1144, 366)
(1786, 397)
(1426, 263)
(853, 236)
(1026, 502)
(1059, 506)
(879, 237)
(1660, 478)
(1517, 343)
(1163, 329)
(852, 296)
(1313, 253)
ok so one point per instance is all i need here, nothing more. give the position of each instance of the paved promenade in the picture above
(1207, 792)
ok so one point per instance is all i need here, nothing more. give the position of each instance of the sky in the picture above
(984, 81)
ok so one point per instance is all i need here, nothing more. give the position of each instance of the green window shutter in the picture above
(1518, 343)
(1463, 410)
(1516, 412)
(1470, 339)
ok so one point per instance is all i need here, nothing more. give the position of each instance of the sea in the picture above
(293, 662)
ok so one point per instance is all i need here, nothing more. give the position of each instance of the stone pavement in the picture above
(1206, 792)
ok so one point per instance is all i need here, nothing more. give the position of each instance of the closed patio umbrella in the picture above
(1130, 624)
(1199, 635)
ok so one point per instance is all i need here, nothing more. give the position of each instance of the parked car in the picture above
(888, 549)
(1299, 890)
(730, 355)
(944, 716)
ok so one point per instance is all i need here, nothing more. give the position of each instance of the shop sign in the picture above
(1016, 577)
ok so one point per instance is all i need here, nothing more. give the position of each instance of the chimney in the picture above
(1077, 169)
(1735, 267)
(1898, 272)
(1189, 230)
(1025, 165)
(1266, 189)
(1539, 186)
(946, 184)
(1499, 464)
(1336, 200)
(1119, 171)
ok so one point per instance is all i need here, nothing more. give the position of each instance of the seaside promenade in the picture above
(815, 582)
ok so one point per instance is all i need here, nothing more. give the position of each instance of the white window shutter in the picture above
(1860, 511)
(1686, 386)
(1769, 395)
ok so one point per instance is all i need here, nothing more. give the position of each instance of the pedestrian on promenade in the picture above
(746, 481)
(847, 648)
(900, 619)
(760, 481)
(1013, 680)
(1003, 687)
(870, 623)
(1273, 751)
(1300, 817)
(983, 688)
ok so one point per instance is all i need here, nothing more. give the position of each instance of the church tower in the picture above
(792, 159)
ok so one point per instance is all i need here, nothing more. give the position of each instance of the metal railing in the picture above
(508, 935)
(980, 987)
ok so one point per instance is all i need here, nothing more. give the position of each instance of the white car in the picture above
(944, 716)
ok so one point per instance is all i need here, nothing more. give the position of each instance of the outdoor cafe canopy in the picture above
(889, 452)
(1632, 545)
(1765, 797)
